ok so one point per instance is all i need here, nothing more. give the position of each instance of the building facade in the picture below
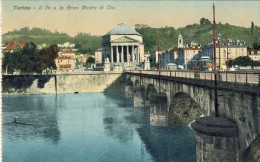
(122, 46)
(98, 56)
(225, 50)
(254, 55)
(182, 54)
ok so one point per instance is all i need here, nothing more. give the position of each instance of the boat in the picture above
(21, 122)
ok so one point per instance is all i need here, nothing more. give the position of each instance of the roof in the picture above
(65, 66)
(66, 51)
(63, 58)
(122, 29)
(14, 45)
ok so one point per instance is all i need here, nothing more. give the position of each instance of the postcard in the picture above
(123, 80)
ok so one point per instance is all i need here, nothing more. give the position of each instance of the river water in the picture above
(88, 127)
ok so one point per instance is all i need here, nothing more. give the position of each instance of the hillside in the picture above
(86, 42)
(199, 33)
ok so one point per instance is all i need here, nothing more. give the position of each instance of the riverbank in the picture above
(60, 83)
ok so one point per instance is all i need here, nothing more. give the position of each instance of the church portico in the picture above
(123, 47)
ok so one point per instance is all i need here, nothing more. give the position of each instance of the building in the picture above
(254, 55)
(65, 63)
(141, 26)
(225, 50)
(122, 46)
(98, 56)
(180, 41)
(182, 54)
(187, 53)
(66, 45)
(67, 53)
(165, 59)
(13, 46)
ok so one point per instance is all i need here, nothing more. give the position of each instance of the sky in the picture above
(42, 13)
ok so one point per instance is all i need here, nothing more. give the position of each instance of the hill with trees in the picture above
(200, 33)
(86, 43)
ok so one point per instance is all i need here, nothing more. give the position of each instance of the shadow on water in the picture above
(117, 86)
(40, 110)
(163, 143)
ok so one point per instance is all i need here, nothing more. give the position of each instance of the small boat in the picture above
(21, 122)
(76, 92)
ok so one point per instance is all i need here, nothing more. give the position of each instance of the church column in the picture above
(133, 53)
(122, 54)
(127, 54)
(112, 55)
(117, 54)
(137, 54)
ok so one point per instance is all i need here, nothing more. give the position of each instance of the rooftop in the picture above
(122, 29)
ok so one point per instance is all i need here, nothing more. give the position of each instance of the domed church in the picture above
(122, 46)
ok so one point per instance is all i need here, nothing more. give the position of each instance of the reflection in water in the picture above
(164, 143)
(88, 127)
(40, 110)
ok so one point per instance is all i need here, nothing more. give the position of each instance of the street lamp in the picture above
(219, 57)
(227, 55)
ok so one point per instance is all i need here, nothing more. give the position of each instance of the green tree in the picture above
(245, 61)
(204, 21)
(46, 58)
(252, 27)
(256, 46)
(23, 59)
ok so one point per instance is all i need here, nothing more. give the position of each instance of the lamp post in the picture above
(215, 65)
(227, 55)
(219, 56)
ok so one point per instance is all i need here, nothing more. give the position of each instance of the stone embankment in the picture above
(60, 83)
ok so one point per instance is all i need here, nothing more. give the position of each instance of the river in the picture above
(98, 127)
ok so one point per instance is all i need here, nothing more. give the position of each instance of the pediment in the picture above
(124, 39)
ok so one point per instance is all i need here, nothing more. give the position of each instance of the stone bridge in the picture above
(180, 97)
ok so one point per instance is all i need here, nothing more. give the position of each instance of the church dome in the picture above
(179, 36)
(122, 29)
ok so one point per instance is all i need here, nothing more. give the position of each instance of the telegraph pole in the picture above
(227, 55)
(215, 65)
(219, 44)
(159, 67)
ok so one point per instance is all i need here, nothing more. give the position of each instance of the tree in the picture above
(46, 58)
(28, 56)
(204, 21)
(256, 46)
(23, 59)
(252, 27)
(245, 61)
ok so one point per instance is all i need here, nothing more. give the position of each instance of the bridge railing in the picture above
(225, 76)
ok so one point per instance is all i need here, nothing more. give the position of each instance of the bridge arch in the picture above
(150, 90)
(129, 82)
(183, 109)
(137, 82)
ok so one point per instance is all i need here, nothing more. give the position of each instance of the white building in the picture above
(98, 56)
(123, 46)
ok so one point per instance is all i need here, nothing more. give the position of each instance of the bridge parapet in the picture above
(245, 77)
(248, 82)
